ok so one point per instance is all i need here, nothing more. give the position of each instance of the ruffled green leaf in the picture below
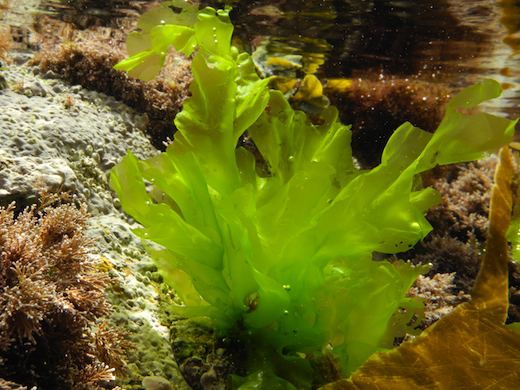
(161, 29)
(286, 257)
(465, 134)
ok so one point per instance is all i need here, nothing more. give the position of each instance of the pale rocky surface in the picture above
(54, 136)
(58, 137)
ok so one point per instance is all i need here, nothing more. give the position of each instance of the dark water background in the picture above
(454, 42)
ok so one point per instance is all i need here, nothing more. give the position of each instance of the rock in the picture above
(156, 383)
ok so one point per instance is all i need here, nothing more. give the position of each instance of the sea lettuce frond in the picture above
(160, 28)
(284, 258)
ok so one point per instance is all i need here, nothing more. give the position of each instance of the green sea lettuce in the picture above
(285, 259)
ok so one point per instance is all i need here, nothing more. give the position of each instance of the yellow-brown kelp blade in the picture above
(470, 348)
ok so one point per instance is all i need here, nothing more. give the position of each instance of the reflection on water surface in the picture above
(445, 41)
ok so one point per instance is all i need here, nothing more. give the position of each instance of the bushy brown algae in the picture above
(52, 303)
(375, 108)
(447, 255)
(465, 190)
(87, 13)
(439, 300)
(460, 221)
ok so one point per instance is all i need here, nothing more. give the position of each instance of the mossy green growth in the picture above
(285, 259)
(150, 352)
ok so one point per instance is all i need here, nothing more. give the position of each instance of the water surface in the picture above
(443, 41)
